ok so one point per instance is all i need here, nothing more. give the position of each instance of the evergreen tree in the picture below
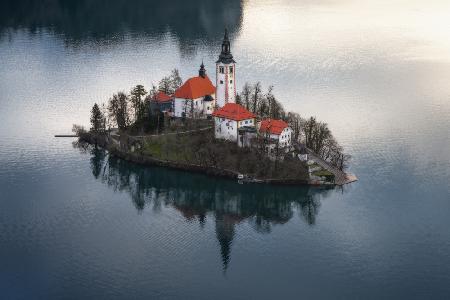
(136, 99)
(97, 120)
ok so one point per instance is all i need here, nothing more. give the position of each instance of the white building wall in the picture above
(249, 122)
(179, 107)
(225, 129)
(209, 106)
(189, 107)
(228, 129)
(225, 84)
(285, 138)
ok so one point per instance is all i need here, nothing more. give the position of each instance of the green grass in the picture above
(322, 173)
(152, 149)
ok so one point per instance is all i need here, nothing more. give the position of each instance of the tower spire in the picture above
(225, 55)
(225, 37)
(202, 71)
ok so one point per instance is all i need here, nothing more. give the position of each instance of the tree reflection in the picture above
(110, 21)
(197, 197)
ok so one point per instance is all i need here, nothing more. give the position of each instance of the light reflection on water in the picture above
(377, 72)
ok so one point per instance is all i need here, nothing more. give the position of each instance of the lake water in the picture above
(79, 224)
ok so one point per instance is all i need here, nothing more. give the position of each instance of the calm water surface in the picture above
(81, 224)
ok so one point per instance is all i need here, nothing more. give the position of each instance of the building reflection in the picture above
(110, 21)
(197, 197)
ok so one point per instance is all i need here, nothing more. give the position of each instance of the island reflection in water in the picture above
(197, 197)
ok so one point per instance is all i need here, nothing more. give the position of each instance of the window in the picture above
(231, 81)
(221, 70)
(231, 70)
(221, 82)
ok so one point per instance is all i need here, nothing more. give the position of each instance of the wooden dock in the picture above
(341, 177)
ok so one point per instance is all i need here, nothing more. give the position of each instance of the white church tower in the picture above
(225, 75)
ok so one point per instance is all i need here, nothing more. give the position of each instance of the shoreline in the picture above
(146, 160)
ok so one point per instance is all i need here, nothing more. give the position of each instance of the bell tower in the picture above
(225, 75)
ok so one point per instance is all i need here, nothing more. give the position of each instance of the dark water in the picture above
(80, 224)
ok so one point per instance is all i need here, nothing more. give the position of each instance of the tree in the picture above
(294, 120)
(137, 94)
(256, 96)
(97, 120)
(153, 92)
(246, 92)
(118, 110)
(238, 99)
(318, 138)
(169, 84)
(275, 108)
(165, 85)
(175, 80)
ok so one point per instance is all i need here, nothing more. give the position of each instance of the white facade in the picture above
(284, 138)
(227, 129)
(209, 106)
(225, 83)
(196, 108)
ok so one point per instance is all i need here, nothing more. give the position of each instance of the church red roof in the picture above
(162, 97)
(195, 87)
(273, 126)
(233, 111)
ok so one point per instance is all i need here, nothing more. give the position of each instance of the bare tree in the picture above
(175, 80)
(165, 85)
(256, 96)
(318, 138)
(245, 96)
(294, 120)
(118, 110)
(169, 84)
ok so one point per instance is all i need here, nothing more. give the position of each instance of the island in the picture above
(201, 127)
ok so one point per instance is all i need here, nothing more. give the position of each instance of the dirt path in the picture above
(341, 177)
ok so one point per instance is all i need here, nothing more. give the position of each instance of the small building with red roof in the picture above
(196, 97)
(276, 130)
(234, 123)
(162, 102)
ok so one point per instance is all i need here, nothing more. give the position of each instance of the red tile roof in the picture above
(195, 87)
(273, 126)
(162, 97)
(233, 111)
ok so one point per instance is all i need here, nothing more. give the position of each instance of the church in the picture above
(198, 97)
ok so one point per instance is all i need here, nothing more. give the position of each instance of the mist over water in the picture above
(82, 224)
